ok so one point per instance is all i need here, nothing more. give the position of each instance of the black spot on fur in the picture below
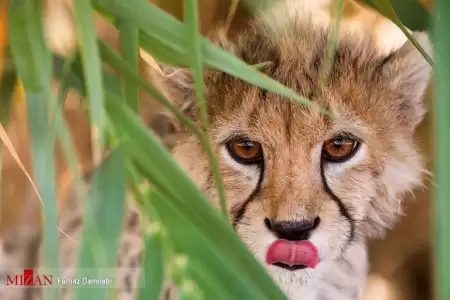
(126, 247)
(9, 247)
(134, 262)
(74, 224)
(133, 220)
(128, 283)
(375, 173)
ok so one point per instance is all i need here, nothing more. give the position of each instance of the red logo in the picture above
(29, 278)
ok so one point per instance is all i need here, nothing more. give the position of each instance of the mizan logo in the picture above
(29, 278)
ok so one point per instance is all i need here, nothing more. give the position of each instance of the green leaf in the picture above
(129, 40)
(325, 68)
(412, 14)
(152, 271)
(83, 15)
(102, 225)
(64, 136)
(33, 63)
(165, 32)
(118, 64)
(163, 173)
(442, 148)
(207, 258)
(194, 53)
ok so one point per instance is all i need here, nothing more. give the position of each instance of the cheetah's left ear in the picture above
(409, 73)
(411, 62)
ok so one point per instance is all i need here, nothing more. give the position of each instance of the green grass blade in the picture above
(118, 64)
(385, 8)
(65, 139)
(114, 60)
(83, 15)
(412, 14)
(194, 53)
(442, 149)
(159, 28)
(202, 252)
(163, 173)
(152, 272)
(325, 68)
(33, 63)
(102, 225)
(129, 43)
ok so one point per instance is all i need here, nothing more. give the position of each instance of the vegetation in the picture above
(200, 263)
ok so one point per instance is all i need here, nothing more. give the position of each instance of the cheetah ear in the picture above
(174, 84)
(409, 73)
(179, 85)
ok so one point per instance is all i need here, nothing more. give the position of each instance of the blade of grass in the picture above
(163, 173)
(165, 31)
(151, 278)
(442, 149)
(152, 271)
(102, 225)
(129, 43)
(194, 53)
(112, 83)
(412, 14)
(200, 251)
(33, 63)
(385, 8)
(186, 288)
(114, 60)
(93, 74)
(206, 281)
(116, 63)
(326, 67)
(179, 193)
(64, 137)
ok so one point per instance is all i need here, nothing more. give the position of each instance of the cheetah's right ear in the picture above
(176, 84)
(179, 87)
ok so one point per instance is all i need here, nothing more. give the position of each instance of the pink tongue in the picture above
(293, 253)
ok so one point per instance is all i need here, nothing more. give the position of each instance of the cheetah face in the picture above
(302, 186)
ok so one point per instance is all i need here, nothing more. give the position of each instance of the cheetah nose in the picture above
(292, 230)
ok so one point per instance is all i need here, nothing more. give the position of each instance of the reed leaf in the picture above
(442, 149)
(33, 63)
(102, 225)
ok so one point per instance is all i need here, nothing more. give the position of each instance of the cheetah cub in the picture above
(305, 191)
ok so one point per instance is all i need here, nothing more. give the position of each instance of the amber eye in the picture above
(245, 151)
(340, 148)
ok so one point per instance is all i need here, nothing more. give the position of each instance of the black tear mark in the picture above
(241, 212)
(342, 209)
